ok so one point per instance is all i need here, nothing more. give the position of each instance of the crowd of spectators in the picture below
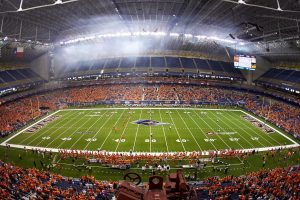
(132, 92)
(150, 159)
(167, 92)
(278, 183)
(20, 183)
(150, 93)
(16, 114)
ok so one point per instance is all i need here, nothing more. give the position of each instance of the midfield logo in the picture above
(149, 122)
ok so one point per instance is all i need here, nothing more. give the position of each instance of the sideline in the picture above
(25, 129)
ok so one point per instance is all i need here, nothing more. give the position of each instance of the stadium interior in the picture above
(150, 99)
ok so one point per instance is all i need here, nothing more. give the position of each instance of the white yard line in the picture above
(213, 129)
(238, 133)
(137, 129)
(122, 134)
(90, 129)
(256, 133)
(66, 119)
(98, 131)
(75, 123)
(219, 136)
(177, 133)
(271, 128)
(153, 153)
(150, 138)
(189, 130)
(164, 133)
(111, 129)
(202, 131)
(15, 135)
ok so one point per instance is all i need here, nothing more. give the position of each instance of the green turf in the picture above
(20, 157)
(113, 130)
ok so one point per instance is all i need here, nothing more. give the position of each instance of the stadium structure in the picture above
(149, 99)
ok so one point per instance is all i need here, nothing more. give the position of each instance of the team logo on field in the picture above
(149, 122)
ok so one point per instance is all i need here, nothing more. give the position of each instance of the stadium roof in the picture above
(269, 28)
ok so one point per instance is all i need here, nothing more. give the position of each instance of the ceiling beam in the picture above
(120, 14)
(178, 16)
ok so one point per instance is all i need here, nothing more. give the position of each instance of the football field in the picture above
(150, 130)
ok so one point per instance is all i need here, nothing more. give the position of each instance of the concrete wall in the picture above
(262, 66)
(41, 66)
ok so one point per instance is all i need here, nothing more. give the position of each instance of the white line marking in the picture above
(216, 134)
(153, 153)
(272, 128)
(177, 133)
(89, 129)
(159, 153)
(137, 129)
(153, 108)
(150, 138)
(256, 133)
(241, 135)
(4, 143)
(98, 131)
(127, 122)
(189, 130)
(52, 132)
(164, 132)
(68, 135)
(202, 130)
(111, 129)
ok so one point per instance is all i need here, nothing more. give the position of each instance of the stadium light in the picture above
(201, 36)
(188, 35)
(20, 8)
(174, 34)
(279, 9)
(58, 2)
(158, 33)
(278, 6)
(145, 34)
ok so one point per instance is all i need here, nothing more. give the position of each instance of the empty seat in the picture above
(6, 77)
(188, 63)
(142, 62)
(202, 64)
(98, 64)
(215, 65)
(127, 62)
(112, 63)
(158, 62)
(173, 62)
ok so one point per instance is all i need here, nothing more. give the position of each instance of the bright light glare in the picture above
(174, 34)
(147, 33)
(188, 35)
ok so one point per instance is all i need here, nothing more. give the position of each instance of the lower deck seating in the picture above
(16, 114)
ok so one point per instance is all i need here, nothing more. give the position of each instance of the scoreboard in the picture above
(245, 62)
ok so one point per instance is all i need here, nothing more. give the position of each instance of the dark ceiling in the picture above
(269, 31)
